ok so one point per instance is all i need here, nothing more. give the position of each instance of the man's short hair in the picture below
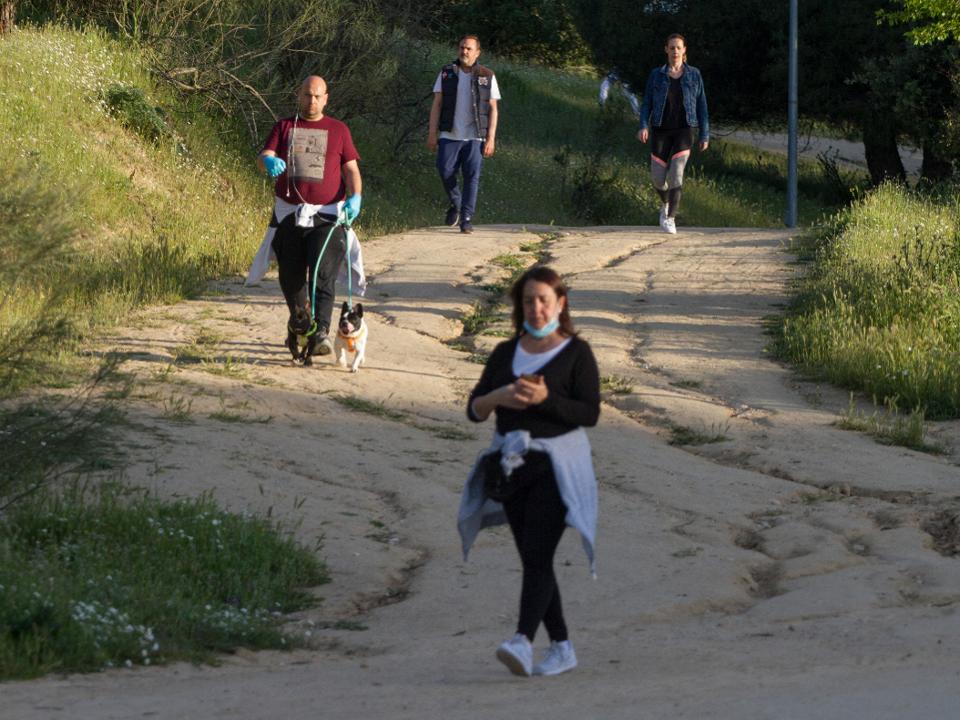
(471, 37)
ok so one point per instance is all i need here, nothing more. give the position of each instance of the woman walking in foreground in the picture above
(674, 103)
(537, 475)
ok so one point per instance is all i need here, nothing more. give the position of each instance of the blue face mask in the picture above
(540, 333)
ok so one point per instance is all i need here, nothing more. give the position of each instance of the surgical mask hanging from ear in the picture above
(540, 333)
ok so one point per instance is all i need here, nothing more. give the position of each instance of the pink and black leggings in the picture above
(669, 152)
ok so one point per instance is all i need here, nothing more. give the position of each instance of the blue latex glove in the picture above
(274, 165)
(351, 208)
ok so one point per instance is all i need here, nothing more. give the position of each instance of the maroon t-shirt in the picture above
(314, 152)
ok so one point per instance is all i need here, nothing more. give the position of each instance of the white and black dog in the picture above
(351, 336)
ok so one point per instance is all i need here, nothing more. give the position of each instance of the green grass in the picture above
(120, 578)
(891, 427)
(682, 435)
(178, 409)
(378, 409)
(481, 315)
(615, 385)
(880, 309)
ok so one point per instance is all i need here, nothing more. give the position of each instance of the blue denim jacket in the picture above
(694, 99)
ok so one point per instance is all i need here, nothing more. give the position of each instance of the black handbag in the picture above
(496, 484)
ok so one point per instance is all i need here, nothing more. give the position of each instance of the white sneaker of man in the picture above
(670, 226)
(663, 213)
(559, 658)
(517, 654)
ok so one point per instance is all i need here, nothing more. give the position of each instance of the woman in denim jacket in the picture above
(674, 103)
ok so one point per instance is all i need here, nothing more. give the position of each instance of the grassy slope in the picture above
(880, 311)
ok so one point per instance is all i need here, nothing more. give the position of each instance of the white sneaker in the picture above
(559, 658)
(663, 214)
(670, 226)
(517, 654)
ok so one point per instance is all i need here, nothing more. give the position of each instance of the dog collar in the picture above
(349, 340)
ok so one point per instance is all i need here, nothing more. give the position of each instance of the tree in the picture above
(8, 15)
(936, 20)
(933, 86)
(538, 30)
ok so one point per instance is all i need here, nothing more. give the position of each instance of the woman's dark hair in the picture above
(544, 274)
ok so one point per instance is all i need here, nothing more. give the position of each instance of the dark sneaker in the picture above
(466, 227)
(452, 217)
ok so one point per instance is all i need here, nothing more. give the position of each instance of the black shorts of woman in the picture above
(537, 474)
(674, 104)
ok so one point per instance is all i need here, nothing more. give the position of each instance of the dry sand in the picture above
(781, 572)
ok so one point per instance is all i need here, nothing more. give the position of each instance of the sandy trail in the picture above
(779, 572)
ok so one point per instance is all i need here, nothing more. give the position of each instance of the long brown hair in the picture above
(544, 274)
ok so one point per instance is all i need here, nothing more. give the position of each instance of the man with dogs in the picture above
(315, 164)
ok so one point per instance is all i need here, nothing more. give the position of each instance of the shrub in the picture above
(130, 106)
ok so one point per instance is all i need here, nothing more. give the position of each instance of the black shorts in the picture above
(667, 144)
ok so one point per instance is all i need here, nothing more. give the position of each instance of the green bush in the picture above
(130, 106)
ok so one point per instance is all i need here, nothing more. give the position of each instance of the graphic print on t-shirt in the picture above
(309, 153)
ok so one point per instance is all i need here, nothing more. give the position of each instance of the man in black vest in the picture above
(465, 114)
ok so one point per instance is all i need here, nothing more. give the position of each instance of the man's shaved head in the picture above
(312, 97)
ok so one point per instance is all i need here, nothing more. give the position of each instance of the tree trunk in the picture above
(7, 16)
(880, 150)
(936, 166)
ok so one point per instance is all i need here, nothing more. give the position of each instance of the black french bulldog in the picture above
(302, 336)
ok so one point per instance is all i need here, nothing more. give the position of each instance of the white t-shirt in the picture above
(464, 124)
(528, 363)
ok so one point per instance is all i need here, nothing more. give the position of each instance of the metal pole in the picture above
(791, 219)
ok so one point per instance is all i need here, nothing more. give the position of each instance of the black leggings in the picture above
(536, 515)
(297, 249)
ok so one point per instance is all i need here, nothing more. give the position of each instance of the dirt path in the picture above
(780, 571)
(848, 153)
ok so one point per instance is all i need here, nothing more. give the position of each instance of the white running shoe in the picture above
(663, 214)
(559, 658)
(517, 654)
(670, 225)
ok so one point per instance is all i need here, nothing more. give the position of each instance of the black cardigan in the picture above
(573, 382)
